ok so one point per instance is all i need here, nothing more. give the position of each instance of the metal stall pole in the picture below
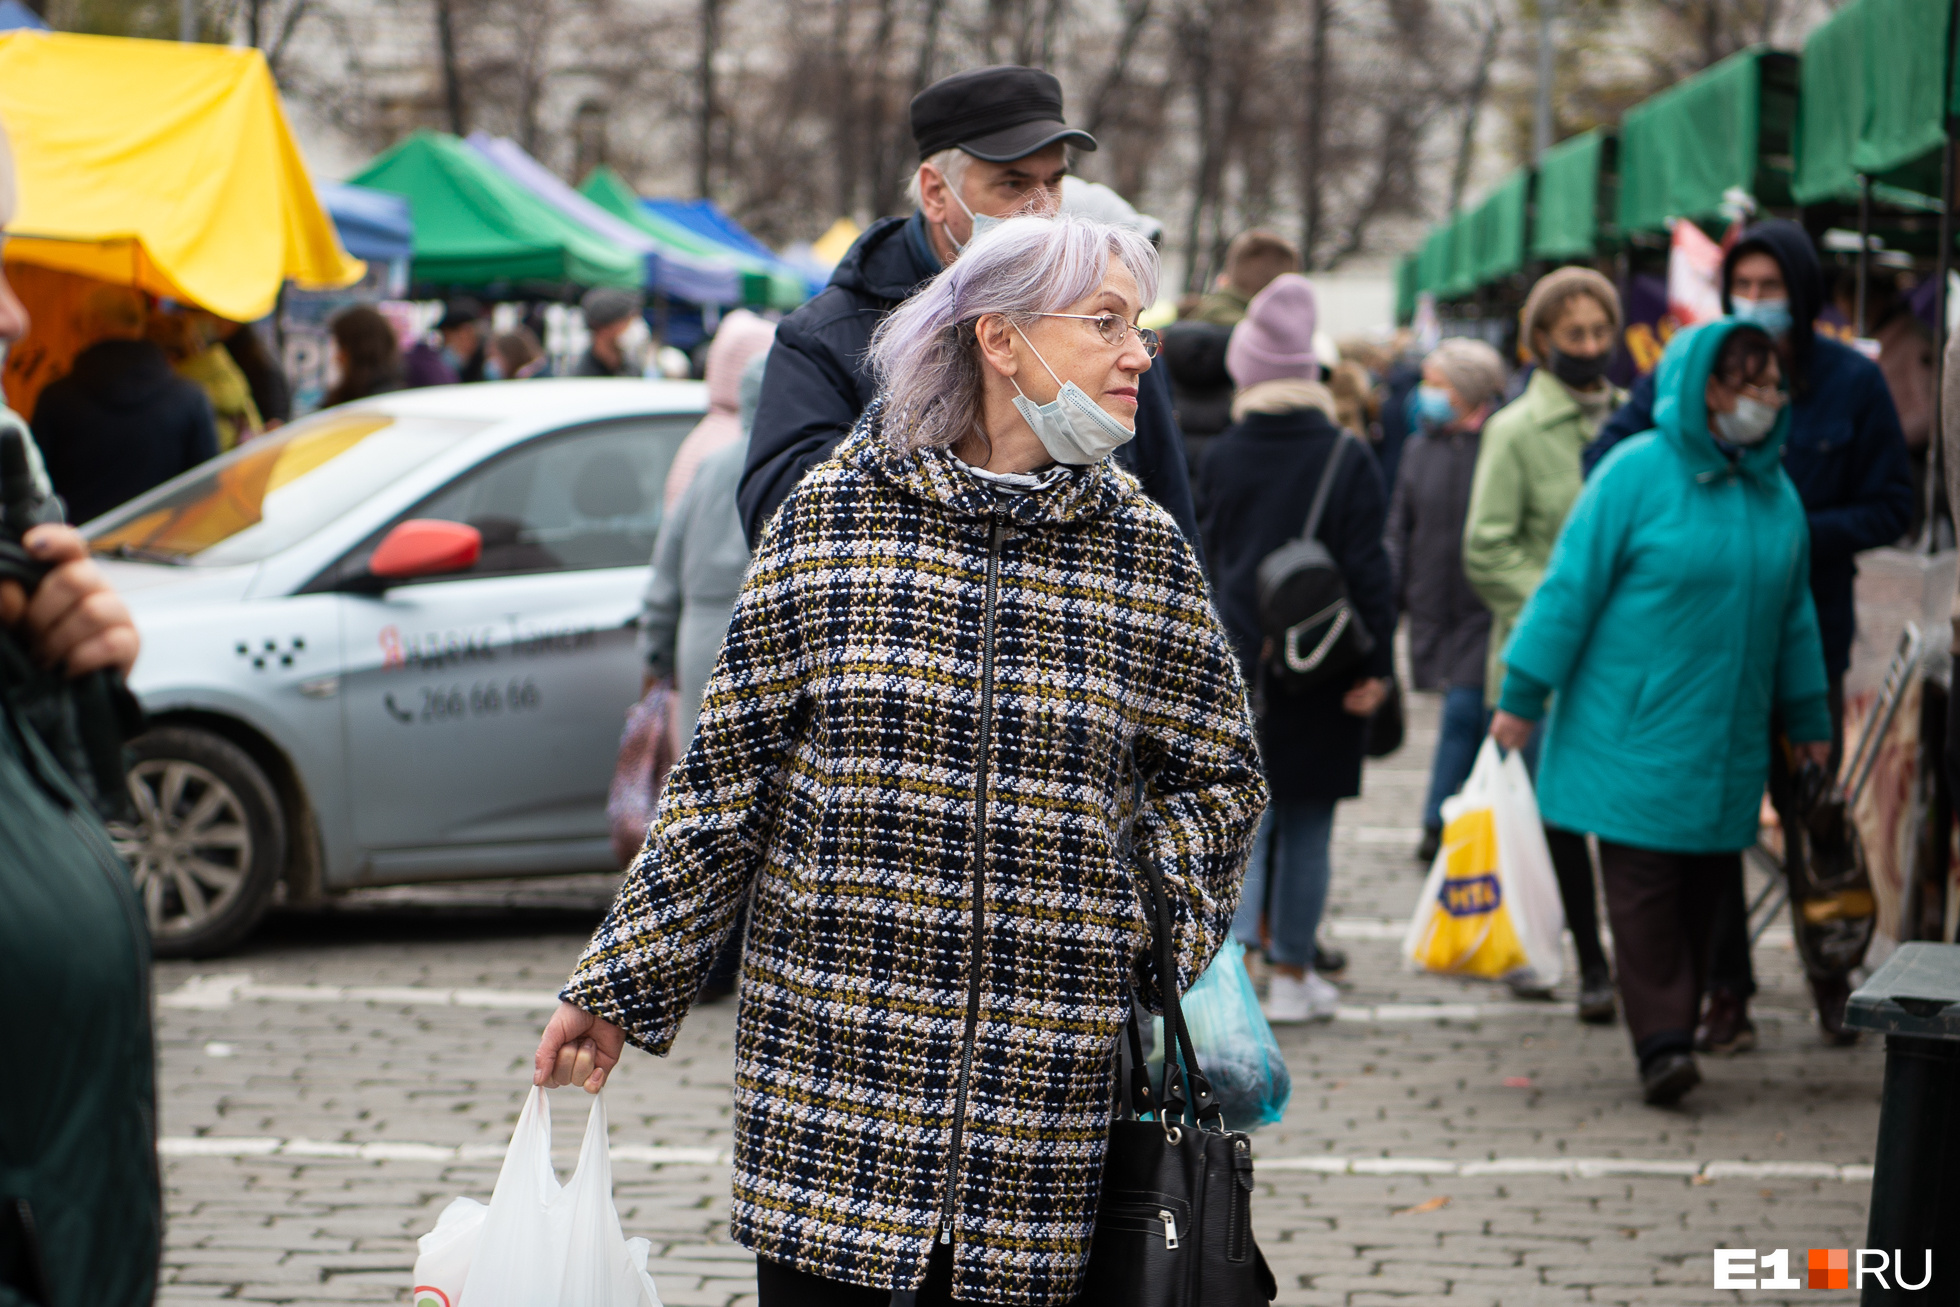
(1864, 243)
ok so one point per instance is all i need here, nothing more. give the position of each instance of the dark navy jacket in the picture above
(119, 423)
(1846, 453)
(815, 384)
(1258, 478)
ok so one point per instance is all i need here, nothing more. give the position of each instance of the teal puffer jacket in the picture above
(1675, 616)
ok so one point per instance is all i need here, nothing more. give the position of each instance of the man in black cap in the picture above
(459, 356)
(992, 144)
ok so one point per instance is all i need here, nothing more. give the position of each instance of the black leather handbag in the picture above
(1313, 635)
(1174, 1228)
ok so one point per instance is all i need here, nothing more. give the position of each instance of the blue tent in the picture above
(706, 218)
(15, 15)
(373, 225)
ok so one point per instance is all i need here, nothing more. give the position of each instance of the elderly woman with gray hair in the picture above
(972, 679)
(1449, 627)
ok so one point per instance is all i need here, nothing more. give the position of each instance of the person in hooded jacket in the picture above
(1449, 627)
(741, 337)
(1258, 479)
(991, 143)
(1846, 455)
(1674, 618)
(121, 421)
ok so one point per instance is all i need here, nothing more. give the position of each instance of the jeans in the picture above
(1286, 880)
(1457, 742)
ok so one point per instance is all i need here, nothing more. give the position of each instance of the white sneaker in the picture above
(1307, 999)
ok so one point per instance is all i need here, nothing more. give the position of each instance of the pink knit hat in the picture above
(1275, 340)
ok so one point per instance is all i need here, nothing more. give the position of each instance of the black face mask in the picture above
(1579, 371)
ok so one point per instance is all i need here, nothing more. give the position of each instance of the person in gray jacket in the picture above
(698, 561)
(1449, 627)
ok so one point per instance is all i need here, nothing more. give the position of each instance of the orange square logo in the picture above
(1830, 1268)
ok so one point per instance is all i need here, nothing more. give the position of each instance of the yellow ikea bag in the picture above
(1490, 906)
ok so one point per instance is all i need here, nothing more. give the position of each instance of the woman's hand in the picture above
(1510, 730)
(1817, 751)
(1366, 696)
(75, 618)
(577, 1049)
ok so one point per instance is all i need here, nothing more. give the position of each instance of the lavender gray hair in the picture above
(924, 355)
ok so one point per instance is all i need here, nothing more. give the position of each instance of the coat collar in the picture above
(935, 477)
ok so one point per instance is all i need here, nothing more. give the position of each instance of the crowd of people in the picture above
(963, 593)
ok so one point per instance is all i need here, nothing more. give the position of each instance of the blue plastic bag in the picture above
(1235, 1047)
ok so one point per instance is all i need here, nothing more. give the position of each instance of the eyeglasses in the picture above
(1114, 328)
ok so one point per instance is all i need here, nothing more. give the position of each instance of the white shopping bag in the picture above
(537, 1244)
(1491, 905)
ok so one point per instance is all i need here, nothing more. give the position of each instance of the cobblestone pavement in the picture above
(329, 1089)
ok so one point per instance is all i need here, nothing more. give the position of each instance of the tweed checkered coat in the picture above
(918, 751)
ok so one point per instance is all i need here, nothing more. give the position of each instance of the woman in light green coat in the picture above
(1674, 619)
(1526, 479)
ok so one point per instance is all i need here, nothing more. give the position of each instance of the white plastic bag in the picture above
(537, 1244)
(1491, 905)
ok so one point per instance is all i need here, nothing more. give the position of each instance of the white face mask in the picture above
(1750, 422)
(982, 224)
(1073, 428)
(633, 346)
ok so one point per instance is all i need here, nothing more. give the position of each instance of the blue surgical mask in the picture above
(1433, 407)
(1072, 427)
(982, 224)
(1773, 316)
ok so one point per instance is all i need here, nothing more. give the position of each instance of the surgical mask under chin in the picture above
(1773, 316)
(982, 224)
(1750, 422)
(1073, 428)
(1433, 407)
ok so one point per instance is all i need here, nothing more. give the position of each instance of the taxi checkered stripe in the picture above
(833, 777)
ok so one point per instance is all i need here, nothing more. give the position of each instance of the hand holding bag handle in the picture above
(1174, 1228)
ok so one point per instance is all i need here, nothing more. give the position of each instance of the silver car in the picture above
(392, 642)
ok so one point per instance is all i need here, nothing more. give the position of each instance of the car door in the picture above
(482, 709)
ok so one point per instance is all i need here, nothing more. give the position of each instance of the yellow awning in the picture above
(163, 165)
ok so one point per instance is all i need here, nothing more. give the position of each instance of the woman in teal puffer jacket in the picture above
(1674, 618)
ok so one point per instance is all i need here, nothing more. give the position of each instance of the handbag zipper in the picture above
(979, 925)
(1170, 1226)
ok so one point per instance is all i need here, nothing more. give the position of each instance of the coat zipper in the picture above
(979, 925)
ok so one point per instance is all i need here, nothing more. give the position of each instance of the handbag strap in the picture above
(1326, 485)
(1177, 1036)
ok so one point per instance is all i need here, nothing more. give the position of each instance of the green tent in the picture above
(1566, 224)
(1728, 127)
(1497, 229)
(1462, 277)
(1433, 260)
(1406, 286)
(762, 285)
(474, 226)
(1875, 99)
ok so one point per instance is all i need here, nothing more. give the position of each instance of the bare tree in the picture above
(705, 78)
(1490, 25)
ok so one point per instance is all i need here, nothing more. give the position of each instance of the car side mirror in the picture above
(420, 547)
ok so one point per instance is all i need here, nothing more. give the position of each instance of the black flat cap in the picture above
(459, 312)
(997, 114)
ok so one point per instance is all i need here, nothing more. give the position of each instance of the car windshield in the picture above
(280, 488)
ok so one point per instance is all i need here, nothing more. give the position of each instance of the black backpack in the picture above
(1313, 635)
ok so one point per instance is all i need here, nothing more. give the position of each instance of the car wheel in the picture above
(208, 843)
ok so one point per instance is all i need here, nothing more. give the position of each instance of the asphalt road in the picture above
(329, 1089)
